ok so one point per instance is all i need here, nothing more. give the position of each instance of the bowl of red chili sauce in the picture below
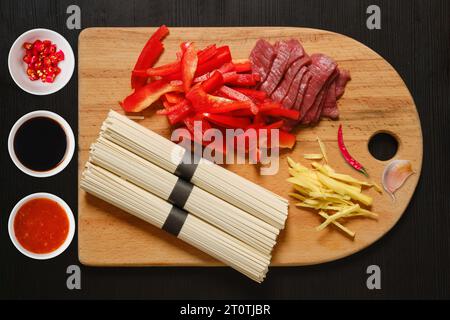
(41, 226)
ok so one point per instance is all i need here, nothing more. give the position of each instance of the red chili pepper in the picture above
(241, 67)
(149, 55)
(350, 160)
(144, 96)
(214, 82)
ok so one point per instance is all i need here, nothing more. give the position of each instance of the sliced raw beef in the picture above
(283, 88)
(287, 53)
(341, 82)
(330, 108)
(315, 112)
(322, 69)
(302, 90)
(262, 57)
(289, 100)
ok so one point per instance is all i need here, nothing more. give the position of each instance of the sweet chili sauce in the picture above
(41, 225)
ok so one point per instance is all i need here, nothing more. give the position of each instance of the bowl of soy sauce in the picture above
(41, 143)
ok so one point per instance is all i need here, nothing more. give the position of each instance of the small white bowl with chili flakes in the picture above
(41, 61)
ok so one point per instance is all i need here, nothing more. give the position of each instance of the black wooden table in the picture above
(414, 257)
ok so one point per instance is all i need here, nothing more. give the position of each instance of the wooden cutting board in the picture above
(375, 100)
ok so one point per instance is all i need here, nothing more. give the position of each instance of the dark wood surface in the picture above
(414, 257)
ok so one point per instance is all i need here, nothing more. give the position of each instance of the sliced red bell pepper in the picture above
(178, 112)
(207, 53)
(188, 66)
(284, 113)
(174, 97)
(149, 55)
(144, 96)
(163, 70)
(277, 110)
(221, 56)
(247, 80)
(229, 107)
(236, 95)
(227, 121)
(244, 66)
(230, 77)
(214, 82)
(233, 94)
(242, 113)
(252, 93)
(275, 125)
(286, 139)
(226, 67)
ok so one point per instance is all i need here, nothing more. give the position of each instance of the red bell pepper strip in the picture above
(276, 109)
(163, 70)
(149, 55)
(178, 112)
(227, 121)
(222, 56)
(229, 107)
(242, 113)
(252, 93)
(233, 94)
(174, 97)
(230, 77)
(275, 125)
(284, 113)
(144, 96)
(207, 53)
(286, 139)
(214, 82)
(241, 67)
(188, 66)
(226, 67)
(246, 80)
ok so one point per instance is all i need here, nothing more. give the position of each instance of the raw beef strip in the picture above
(262, 57)
(341, 81)
(287, 53)
(321, 69)
(298, 97)
(302, 90)
(330, 108)
(315, 111)
(285, 84)
(289, 99)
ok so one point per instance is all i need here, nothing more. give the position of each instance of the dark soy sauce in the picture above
(40, 144)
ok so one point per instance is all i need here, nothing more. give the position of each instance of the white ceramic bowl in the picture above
(70, 234)
(17, 67)
(70, 148)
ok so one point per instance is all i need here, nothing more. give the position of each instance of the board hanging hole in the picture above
(383, 145)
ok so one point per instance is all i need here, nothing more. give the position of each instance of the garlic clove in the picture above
(395, 174)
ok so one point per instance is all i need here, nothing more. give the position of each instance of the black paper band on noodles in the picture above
(187, 166)
(175, 221)
(180, 193)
